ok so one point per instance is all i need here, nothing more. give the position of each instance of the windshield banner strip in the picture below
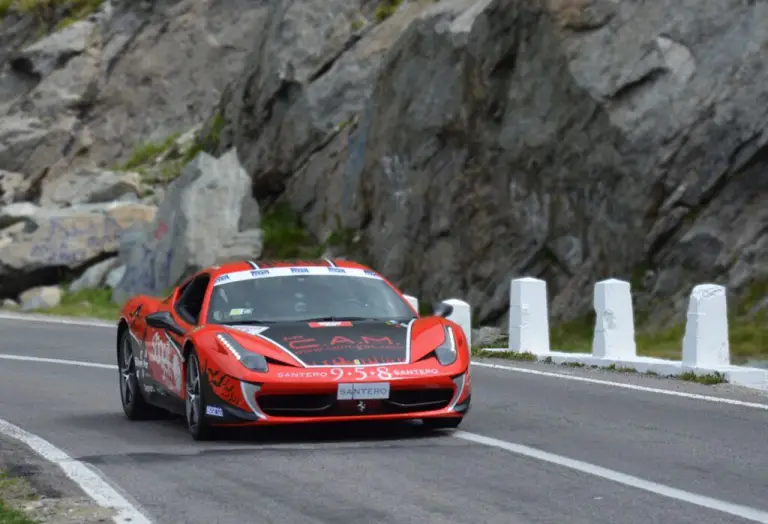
(287, 271)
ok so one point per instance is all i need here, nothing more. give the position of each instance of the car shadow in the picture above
(172, 429)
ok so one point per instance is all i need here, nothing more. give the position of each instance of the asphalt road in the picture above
(400, 474)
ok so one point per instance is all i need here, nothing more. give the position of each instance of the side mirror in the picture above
(441, 309)
(164, 320)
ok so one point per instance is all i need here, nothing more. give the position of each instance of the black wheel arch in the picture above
(122, 328)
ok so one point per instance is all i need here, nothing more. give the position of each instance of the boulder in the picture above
(95, 276)
(47, 244)
(45, 297)
(202, 211)
(88, 185)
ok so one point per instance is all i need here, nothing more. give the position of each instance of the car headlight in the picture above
(249, 359)
(446, 351)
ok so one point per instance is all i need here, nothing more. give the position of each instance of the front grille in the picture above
(400, 401)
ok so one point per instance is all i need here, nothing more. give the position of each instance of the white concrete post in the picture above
(614, 336)
(462, 315)
(528, 316)
(705, 343)
(413, 301)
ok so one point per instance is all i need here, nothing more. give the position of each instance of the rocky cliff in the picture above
(451, 144)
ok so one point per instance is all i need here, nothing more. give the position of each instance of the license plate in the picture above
(363, 391)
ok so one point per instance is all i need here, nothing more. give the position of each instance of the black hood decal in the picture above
(343, 343)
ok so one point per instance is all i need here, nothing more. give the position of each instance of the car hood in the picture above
(336, 343)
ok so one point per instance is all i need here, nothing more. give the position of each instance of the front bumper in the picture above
(241, 403)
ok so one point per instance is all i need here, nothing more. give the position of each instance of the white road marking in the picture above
(736, 510)
(634, 387)
(57, 361)
(96, 323)
(50, 319)
(88, 480)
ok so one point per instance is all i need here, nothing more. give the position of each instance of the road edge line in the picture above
(92, 483)
(53, 319)
(633, 387)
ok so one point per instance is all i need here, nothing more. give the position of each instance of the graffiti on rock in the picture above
(68, 241)
(153, 273)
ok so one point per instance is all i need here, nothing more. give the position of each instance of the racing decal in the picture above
(140, 361)
(282, 271)
(363, 343)
(359, 373)
(239, 312)
(165, 362)
(214, 411)
(250, 330)
(226, 388)
(330, 324)
(296, 263)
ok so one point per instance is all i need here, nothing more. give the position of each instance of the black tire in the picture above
(442, 423)
(194, 401)
(134, 405)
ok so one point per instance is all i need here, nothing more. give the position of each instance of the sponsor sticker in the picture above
(239, 311)
(345, 323)
(283, 271)
(302, 374)
(164, 355)
(250, 330)
(214, 411)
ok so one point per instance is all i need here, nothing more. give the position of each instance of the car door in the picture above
(164, 347)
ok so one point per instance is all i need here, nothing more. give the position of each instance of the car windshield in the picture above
(304, 294)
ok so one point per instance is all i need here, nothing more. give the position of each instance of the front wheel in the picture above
(195, 402)
(442, 423)
(134, 405)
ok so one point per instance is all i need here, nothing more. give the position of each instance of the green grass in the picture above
(386, 9)
(13, 516)
(146, 152)
(285, 236)
(93, 303)
(11, 490)
(747, 339)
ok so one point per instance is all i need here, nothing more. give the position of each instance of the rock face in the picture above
(571, 140)
(132, 72)
(204, 210)
(465, 142)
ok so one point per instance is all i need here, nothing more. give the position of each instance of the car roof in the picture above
(245, 265)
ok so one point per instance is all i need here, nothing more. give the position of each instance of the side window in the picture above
(191, 298)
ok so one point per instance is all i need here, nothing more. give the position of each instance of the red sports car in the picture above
(283, 342)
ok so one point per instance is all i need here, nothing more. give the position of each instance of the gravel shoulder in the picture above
(35, 491)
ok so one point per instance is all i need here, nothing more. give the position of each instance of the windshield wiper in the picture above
(334, 319)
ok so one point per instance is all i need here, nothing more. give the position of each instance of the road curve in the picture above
(487, 473)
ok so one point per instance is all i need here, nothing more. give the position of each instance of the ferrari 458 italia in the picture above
(286, 342)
